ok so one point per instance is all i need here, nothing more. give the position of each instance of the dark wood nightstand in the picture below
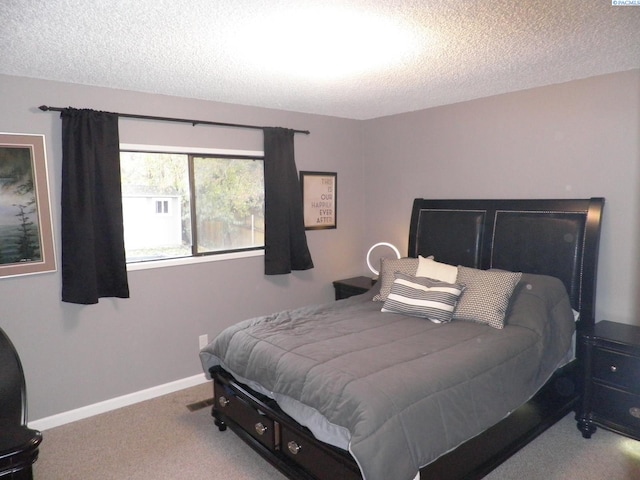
(611, 383)
(352, 286)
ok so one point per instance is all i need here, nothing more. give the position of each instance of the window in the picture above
(162, 206)
(178, 205)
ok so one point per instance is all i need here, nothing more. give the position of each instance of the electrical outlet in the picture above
(203, 340)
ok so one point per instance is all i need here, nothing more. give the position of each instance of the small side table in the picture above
(352, 286)
(611, 383)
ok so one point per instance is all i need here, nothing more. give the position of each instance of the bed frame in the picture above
(551, 237)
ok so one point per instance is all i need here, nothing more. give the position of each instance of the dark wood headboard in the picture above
(549, 237)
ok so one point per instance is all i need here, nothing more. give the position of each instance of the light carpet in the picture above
(161, 439)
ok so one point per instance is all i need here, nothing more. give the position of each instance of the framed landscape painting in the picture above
(26, 235)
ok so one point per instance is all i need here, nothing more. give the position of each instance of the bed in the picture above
(369, 387)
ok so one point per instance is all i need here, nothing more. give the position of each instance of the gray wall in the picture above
(577, 139)
(75, 355)
(573, 140)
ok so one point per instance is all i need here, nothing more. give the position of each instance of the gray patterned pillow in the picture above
(486, 295)
(388, 269)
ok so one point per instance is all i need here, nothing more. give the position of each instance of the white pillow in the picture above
(428, 267)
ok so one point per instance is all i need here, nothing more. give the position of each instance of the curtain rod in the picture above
(45, 108)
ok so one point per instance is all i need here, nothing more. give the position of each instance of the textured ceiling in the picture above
(352, 58)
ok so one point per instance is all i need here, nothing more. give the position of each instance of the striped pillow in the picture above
(422, 297)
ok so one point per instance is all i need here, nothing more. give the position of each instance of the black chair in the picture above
(18, 443)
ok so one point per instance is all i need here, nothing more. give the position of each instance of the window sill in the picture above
(173, 262)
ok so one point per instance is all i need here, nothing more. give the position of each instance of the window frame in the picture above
(205, 256)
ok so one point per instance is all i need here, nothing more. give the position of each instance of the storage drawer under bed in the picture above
(252, 420)
(324, 463)
(295, 446)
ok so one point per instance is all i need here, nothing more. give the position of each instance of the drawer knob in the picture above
(223, 401)
(293, 447)
(260, 428)
(635, 412)
(613, 368)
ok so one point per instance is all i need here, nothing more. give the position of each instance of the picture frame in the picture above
(26, 232)
(319, 199)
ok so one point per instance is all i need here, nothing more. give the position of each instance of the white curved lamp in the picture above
(381, 244)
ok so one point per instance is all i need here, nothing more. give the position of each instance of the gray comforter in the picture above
(394, 390)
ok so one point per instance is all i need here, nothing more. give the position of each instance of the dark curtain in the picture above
(93, 258)
(285, 243)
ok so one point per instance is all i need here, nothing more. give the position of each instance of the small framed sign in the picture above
(319, 199)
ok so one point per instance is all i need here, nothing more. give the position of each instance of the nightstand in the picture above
(352, 286)
(611, 383)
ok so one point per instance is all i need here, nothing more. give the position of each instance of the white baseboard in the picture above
(114, 403)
